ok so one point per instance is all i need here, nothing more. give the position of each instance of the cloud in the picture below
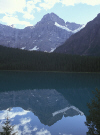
(35, 129)
(25, 120)
(14, 20)
(38, 9)
(26, 130)
(73, 2)
(12, 6)
(43, 132)
(3, 115)
(35, 1)
(16, 129)
(31, 6)
(48, 4)
(28, 16)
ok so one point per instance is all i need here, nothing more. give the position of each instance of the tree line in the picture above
(16, 59)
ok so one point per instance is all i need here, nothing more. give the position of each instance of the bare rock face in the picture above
(84, 42)
(73, 26)
(46, 35)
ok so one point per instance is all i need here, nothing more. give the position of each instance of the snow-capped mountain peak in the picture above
(49, 33)
(51, 17)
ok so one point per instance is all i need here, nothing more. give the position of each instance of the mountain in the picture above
(84, 42)
(49, 105)
(46, 35)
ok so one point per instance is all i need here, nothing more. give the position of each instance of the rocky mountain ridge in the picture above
(46, 35)
(84, 42)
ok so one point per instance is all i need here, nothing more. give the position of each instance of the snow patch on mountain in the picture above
(65, 27)
(52, 49)
(62, 27)
(34, 48)
(67, 108)
(75, 31)
(23, 48)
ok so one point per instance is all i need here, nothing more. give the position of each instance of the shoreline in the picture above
(47, 71)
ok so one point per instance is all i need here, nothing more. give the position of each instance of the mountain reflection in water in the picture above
(50, 107)
(46, 103)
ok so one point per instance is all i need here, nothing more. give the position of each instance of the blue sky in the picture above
(23, 13)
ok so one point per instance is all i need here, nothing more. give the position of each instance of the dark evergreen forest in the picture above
(16, 59)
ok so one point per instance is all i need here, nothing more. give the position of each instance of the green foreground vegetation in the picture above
(8, 129)
(16, 59)
(93, 119)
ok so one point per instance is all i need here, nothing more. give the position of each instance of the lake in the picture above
(47, 103)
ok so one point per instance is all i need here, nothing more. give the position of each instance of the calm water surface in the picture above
(47, 103)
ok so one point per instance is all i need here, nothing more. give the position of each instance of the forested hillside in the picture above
(16, 59)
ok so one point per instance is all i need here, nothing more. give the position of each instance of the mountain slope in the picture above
(46, 35)
(84, 42)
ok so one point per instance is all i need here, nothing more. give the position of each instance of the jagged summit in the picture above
(54, 18)
(50, 15)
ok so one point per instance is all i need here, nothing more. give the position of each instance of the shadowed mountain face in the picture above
(46, 35)
(48, 105)
(84, 42)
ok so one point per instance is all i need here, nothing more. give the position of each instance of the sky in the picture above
(23, 13)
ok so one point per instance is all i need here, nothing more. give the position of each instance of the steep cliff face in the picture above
(46, 35)
(84, 42)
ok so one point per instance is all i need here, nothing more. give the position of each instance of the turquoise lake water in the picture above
(47, 103)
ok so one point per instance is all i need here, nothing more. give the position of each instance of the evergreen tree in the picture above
(16, 59)
(93, 120)
(8, 128)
